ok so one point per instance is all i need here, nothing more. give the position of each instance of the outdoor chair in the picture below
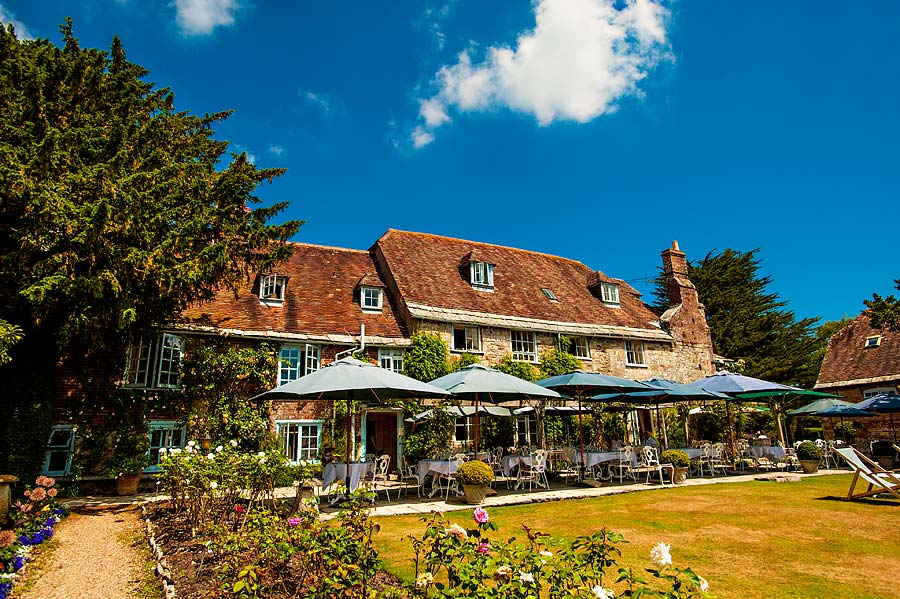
(718, 458)
(828, 459)
(534, 471)
(624, 465)
(879, 480)
(495, 460)
(380, 475)
(408, 473)
(445, 483)
(648, 462)
(704, 462)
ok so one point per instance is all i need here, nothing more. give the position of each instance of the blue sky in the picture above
(593, 130)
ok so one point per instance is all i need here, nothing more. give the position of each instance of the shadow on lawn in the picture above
(867, 500)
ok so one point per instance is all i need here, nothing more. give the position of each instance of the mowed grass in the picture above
(751, 540)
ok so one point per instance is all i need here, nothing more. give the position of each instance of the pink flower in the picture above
(484, 548)
(52, 492)
(294, 521)
(456, 531)
(481, 515)
(38, 494)
(239, 508)
(7, 538)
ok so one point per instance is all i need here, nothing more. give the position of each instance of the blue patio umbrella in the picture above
(818, 406)
(888, 403)
(581, 385)
(841, 412)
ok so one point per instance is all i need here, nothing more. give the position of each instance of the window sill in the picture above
(372, 310)
(271, 302)
(627, 365)
(612, 304)
(484, 288)
(467, 351)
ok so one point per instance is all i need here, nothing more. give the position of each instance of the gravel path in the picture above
(92, 560)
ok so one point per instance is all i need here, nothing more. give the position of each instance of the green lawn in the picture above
(750, 540)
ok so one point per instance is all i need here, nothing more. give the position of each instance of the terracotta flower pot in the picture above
(475, 494)
(127, 483)
(809, 466)
(679, 475)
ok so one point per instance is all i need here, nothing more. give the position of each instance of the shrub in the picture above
(808, 451)
(676, 457)
(475, 564)
(474, 472)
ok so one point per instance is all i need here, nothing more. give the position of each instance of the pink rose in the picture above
(239, 508)
(52, 492)
(484, 548)
(481, 515)
(294, 521)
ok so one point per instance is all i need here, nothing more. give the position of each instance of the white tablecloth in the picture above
(510, 463)
(592, 458)
(693, 452)
(758, 451)
(338, 471)
(435, 467)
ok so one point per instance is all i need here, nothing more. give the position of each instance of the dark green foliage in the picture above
(884, 312)
(824, 332)
(559, 361)
(427, 438)
(462, 360)
(523, 370)
(25, 426)
(748, 323)
(218, 380)
(427, 357)
(808, 451)
(116, 210)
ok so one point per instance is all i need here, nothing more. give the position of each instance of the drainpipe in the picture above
(352, 350)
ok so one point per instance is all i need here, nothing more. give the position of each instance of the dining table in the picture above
(758, 451)
(337, 471)
(436, 469)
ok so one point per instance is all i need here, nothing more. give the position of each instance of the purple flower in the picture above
(294, 521)
(18, 562)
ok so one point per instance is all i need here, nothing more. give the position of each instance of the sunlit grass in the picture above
(751, 540)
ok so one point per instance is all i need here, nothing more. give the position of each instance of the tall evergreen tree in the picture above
(116, 210)
(884, 311)
(747, 322)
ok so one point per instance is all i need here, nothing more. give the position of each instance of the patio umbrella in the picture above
(463, 412)
(817, 406)
(742, 387)
(580, 385)
(352, 380)
(888, 403)
(476, 383)
(842, 411)
(668, 391)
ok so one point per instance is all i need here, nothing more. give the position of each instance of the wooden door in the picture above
(381, 435)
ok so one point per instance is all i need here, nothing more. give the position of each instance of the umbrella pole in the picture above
(730, 427)
(581, 443)
(347, 451)
(476, 426)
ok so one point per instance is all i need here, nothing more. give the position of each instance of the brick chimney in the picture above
(686, 318)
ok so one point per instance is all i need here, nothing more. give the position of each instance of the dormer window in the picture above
(873, 341)
(370, 298)
(271, 289)
(609, 293)
(482, 274)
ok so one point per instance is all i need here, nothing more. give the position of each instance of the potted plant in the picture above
(129, 460)
(475, 477)
(680, 462)
(809, 455)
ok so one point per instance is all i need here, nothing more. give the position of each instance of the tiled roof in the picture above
(849, 362)
(430, 271)
(321, 300)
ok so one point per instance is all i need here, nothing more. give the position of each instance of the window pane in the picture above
(289, 367)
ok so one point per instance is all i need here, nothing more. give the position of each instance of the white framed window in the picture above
(60, 446)
(523, 346)
(296, 361)
(271, 288)
(579, 347)
(526, 430)
(391, 359)
(634, 353)
(873, 341)
(609, 293)
(877, 391)
(482, 274)
(466, 339)
(164, 434)
(155, 363)
(465, 429)
(370, 298)
(299, 439)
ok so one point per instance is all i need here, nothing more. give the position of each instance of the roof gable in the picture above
(321, 298)
(848, 359)
(428, 271)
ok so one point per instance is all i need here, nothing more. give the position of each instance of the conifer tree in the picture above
(884, 312)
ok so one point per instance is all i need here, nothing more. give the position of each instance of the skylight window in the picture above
(873, 341)
(549, 293)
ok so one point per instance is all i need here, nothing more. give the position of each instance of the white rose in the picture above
(660, 555)
(213, 485)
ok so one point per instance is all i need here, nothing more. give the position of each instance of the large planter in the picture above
(127, 483)
(679, 475)
(475, 494)
(810, 466)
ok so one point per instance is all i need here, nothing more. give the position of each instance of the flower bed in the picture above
(33, 521)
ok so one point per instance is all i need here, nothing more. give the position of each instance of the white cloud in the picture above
(579, 60)
(201, 17)
(277, 150)
(432, 21)
(7, 16)
(421, 138)
(327, 104)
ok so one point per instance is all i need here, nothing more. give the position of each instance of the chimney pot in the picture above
(675, 245)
